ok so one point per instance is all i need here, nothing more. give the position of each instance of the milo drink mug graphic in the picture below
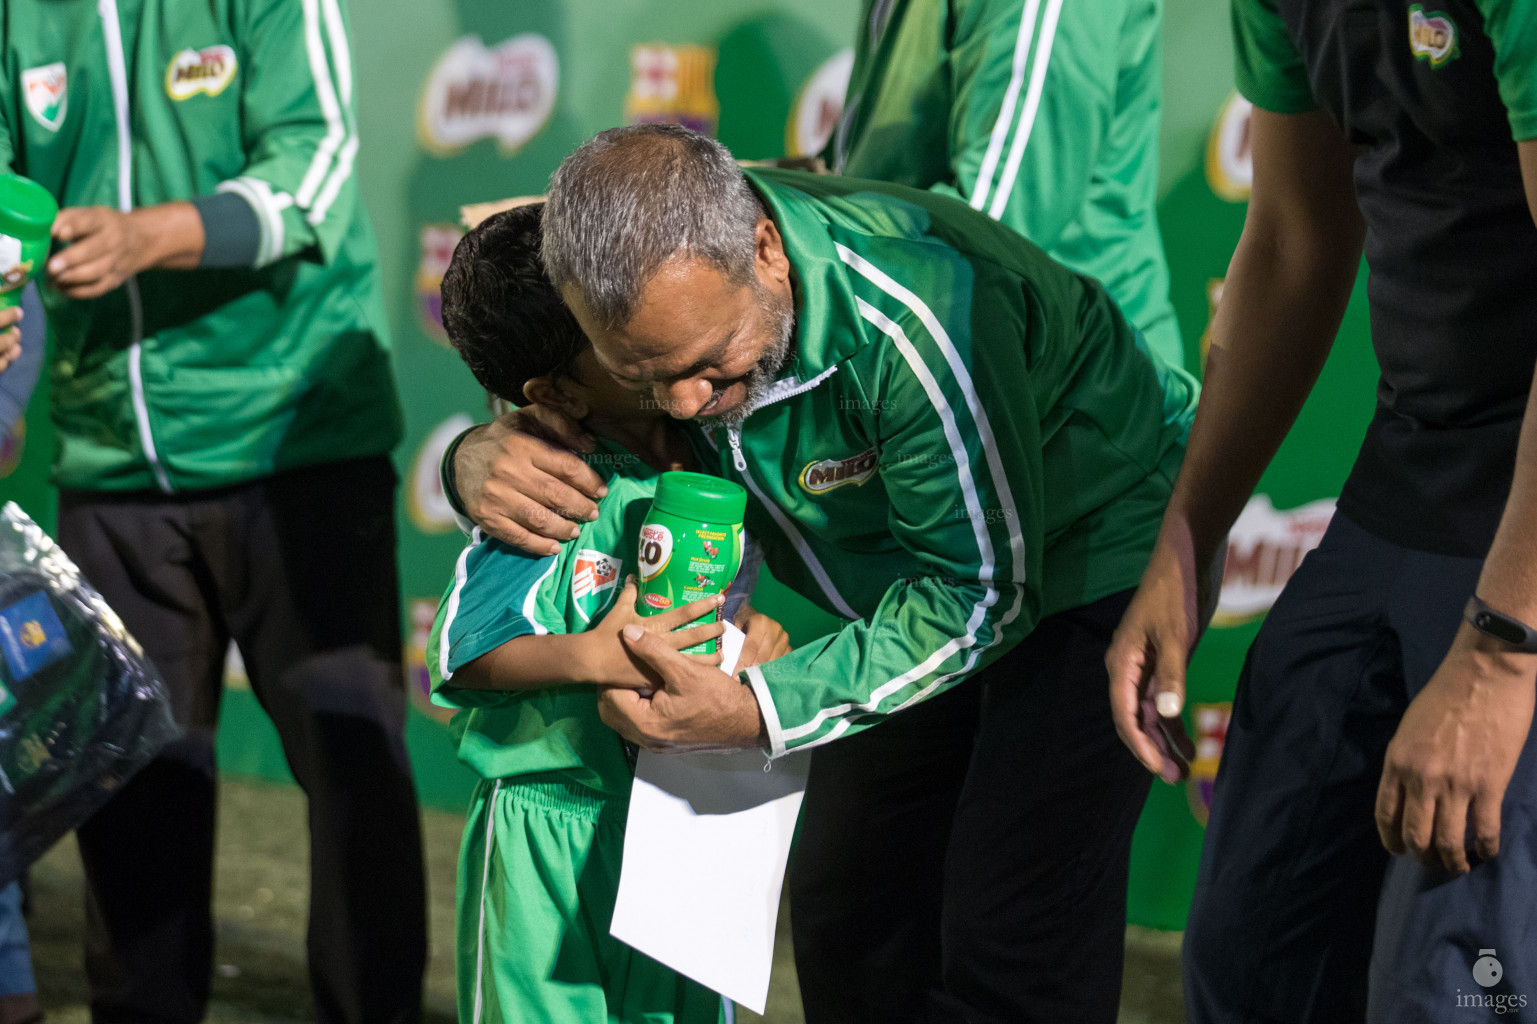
(26, 219)
(690, 544)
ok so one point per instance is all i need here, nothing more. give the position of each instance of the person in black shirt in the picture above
(1372, 851)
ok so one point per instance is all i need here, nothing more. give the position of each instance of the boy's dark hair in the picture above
(502, 315)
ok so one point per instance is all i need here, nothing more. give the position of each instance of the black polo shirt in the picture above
(1438, 98)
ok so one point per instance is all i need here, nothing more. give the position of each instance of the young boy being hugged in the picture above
(517, 641)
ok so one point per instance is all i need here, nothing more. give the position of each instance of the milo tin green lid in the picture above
(697, 496)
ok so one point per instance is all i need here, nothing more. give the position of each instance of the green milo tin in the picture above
(690, 543)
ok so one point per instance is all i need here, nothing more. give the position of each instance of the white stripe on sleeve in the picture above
(325, 93)
(461, 573)
(1032, 106)
(341, 59)
(986, 570)
(962, 374)
(1010, 100)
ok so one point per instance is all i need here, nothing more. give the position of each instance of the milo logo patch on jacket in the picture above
(827, 474)
(209, 70)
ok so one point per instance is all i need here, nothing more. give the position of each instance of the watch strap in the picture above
(1513, 633)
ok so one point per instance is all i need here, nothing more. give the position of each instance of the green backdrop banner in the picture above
(463, 101)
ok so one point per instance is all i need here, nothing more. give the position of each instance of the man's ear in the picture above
(769, 259)
(557, 394)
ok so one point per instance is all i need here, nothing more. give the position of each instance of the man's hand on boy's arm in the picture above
(609, 662)
(517, 479)
(697, 708)
(763, 639)
(531, 662)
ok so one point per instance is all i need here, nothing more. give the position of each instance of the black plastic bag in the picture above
(81, 708)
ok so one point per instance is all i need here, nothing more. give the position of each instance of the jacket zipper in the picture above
(734, 436)
(117, 71)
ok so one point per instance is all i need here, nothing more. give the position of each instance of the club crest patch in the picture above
(209, 70)
(827, 474)
(592, 584)
(46, 89)
(1432, 36)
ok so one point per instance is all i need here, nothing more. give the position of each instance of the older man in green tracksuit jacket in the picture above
(225, 407)
(1042, 114)
(965, 450)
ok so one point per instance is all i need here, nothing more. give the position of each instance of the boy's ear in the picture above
(556, 395)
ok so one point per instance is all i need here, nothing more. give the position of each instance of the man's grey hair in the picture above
(631, 199)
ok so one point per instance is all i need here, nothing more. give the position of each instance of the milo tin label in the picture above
(683, 560)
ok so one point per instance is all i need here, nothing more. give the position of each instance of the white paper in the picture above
(705, 849)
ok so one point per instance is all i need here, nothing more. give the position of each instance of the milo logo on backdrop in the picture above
(426, 503)
(506, 92)
(1264, 548)
(1432, 36)
(209, 70)
(1229, 153)
(816, 111)
(827, 474)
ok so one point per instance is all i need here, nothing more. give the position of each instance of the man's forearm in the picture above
(1282, 302)
(1509, 579)
(1263, 363)
(170, 235)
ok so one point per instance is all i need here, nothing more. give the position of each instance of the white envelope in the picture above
(705, 848)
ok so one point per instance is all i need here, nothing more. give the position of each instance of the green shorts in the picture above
(538, 876)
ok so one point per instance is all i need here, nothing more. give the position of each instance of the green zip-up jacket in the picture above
(182, 380)
(1042, 114)
(970, 437)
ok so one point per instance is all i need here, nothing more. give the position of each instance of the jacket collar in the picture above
(828, 328)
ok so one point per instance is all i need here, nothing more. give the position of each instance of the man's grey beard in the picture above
(760, 379)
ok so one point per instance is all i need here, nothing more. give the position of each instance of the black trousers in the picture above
(967, 859)
(299, 569)
(1300, 915)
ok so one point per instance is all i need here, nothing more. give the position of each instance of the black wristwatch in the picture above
(1516, 635)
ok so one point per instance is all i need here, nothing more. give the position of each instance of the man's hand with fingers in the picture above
(1147, 658)
(522, 489)
(609, 662)
(763, 639)
(103, 247)
(1445, 774)
(697, 707)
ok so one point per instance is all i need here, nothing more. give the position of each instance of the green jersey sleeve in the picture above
(1034, 93)
(960, 463)
(1512, 26)
(498, 593)
(299, 126)
(1267, 66)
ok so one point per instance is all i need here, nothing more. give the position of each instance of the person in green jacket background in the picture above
(1041, 114)
(225, 407)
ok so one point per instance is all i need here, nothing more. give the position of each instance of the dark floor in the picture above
(260, 897)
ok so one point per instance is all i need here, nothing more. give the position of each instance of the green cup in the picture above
(27, 212)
